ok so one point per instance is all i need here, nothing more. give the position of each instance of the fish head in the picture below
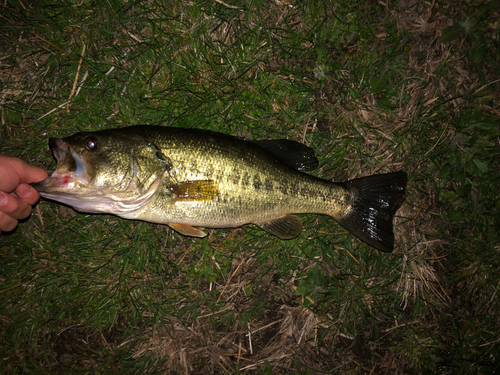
(104, 172)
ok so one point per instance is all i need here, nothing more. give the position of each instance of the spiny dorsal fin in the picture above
(285, 227)
(294, 154)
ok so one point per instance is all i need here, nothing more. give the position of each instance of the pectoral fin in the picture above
(285, 227)
(200, 190)
(187, 230)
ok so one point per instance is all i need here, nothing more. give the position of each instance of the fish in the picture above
(192, 179)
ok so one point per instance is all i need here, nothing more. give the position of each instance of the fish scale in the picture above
(199, 159)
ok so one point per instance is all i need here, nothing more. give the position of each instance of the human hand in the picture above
(16, 196)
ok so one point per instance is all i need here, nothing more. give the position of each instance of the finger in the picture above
(31, 173)
(7, 223)
(14, 207)
(15, 171)
(27, 193)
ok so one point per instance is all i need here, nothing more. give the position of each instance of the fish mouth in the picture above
(70, 174)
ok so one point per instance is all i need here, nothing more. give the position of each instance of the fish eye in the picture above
(91, 143)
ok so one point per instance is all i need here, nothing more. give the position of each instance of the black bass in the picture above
(193, 179)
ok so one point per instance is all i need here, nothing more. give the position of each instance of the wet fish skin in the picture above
(190, 178)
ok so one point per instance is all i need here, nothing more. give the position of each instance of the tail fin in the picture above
(375, 201)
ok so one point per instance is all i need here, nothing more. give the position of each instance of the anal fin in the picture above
(285, 227)
(187, 230)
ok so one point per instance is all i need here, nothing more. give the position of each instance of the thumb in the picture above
(15, 171)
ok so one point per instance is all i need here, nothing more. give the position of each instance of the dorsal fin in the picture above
(292, 153)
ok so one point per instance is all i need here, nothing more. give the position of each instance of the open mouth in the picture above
(71, 171)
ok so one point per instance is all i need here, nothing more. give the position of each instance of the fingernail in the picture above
(3, 199)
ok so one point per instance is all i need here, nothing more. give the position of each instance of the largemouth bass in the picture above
(193, 179)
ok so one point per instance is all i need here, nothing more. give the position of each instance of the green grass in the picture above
(371, 88)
